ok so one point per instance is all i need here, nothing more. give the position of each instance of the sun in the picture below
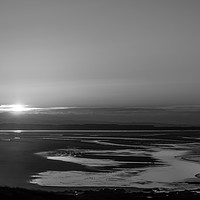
(18, 108)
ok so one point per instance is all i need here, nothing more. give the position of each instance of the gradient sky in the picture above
(99, 52)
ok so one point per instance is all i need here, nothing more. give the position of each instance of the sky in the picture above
(106, 53)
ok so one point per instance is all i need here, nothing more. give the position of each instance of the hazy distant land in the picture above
(99, 126)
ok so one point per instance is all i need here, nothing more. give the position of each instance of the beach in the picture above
(57, 160)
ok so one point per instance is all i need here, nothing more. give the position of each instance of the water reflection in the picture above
(169, 169)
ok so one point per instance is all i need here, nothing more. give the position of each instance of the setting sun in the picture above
(18, 108)
(15, 108)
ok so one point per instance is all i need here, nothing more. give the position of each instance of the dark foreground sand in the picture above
(103, 194)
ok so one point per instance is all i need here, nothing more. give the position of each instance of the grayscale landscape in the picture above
(99, 99)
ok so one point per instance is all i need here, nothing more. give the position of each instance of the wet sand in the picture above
(37, 160)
